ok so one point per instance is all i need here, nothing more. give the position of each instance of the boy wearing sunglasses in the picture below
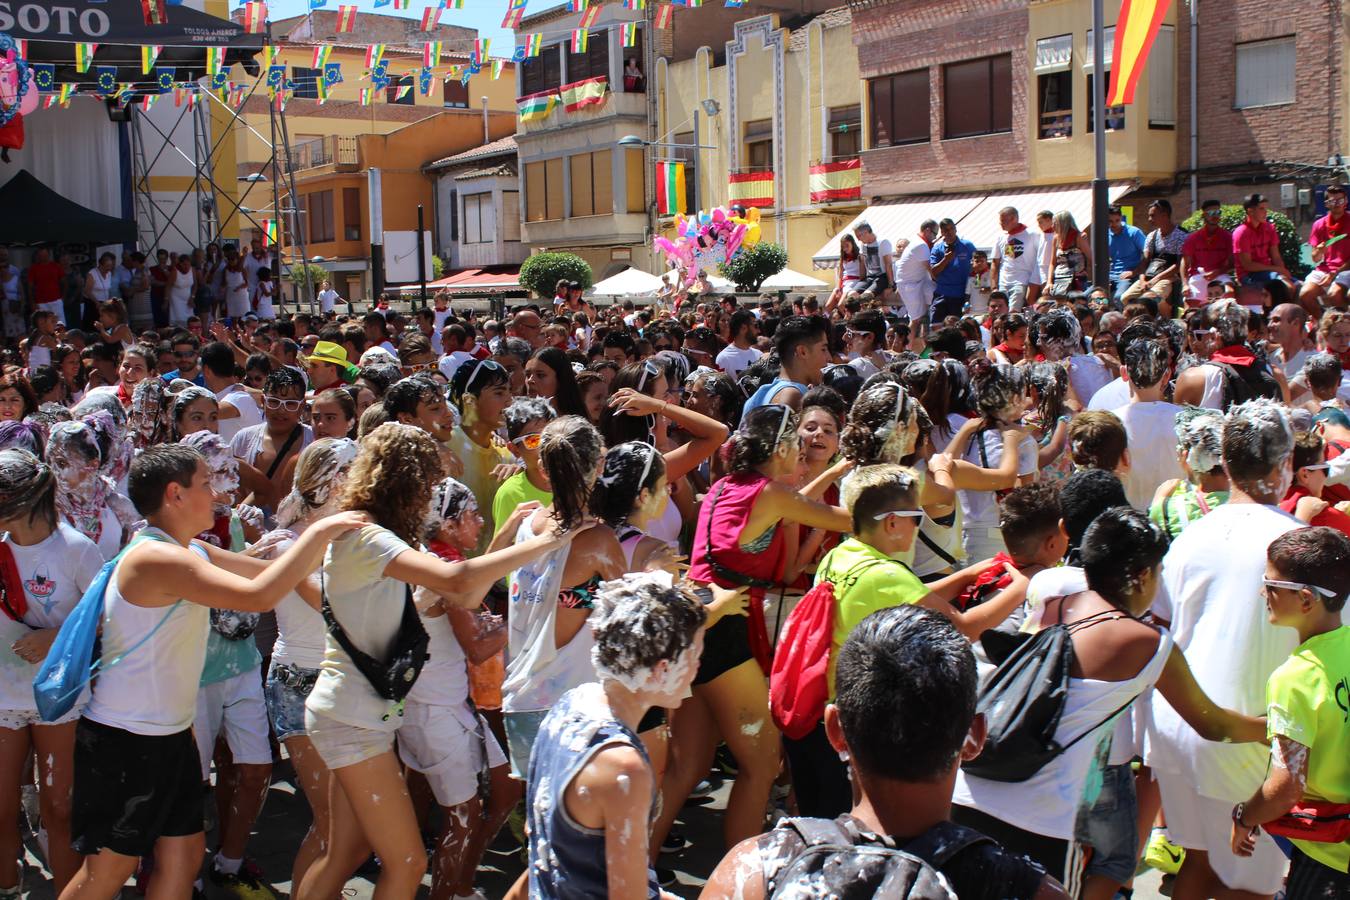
(1304, 498)
(1306, 582)
(525, 421)
(271, 449)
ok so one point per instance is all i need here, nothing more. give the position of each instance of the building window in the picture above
(845, 131)
(351, 214)
(544, 190)
(510, 213)
(456, 94)
(306, 82)
(977, 96)
(759, 146)
(396, 84)
(899, 106)
(593, 63)
(635, 180)
(689, 157)
(1115, 115)
(477, 218)
(1054, 94)
(592, 184)
(634, 79)
(1162, 80)
(1265, 73)
(542, 72)
(454, 216)
(319, 208)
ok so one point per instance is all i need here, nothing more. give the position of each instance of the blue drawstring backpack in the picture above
(70, 663)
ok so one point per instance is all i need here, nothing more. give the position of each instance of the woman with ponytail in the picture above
(740, 541)
(45, 567)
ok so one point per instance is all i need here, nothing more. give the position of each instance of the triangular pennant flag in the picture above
(255, 17)
(149, 53)
(269, 55)
(332, 73)
(66, 90)
(431, 18)
(630, 34)
(580, 38)
(665, 13)
(497, 68)
(321, 54)
(153, 11)
(431, 53)
(44, 76)
(374, 53)
(346, 21)
(365, 96)
(146, 102)
(84, 55)
(513, 18)
(590, 15)
(215, 60)
(402, 4)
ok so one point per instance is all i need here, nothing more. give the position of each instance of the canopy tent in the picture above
(628, 283)
(975, 214)
(719, 284)
(32, 213)
(788, 280)
(119, 30)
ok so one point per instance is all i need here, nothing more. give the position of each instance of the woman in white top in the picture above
(182, 280)
(365, 578)
(298, 651)
(1117, 656)
(237, 301)
(45, 568)
(98, 283)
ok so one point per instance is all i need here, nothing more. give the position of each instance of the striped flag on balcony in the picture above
(834, 181)
(751, 188)
(665, 14)
(589, 16)
(580, 37)
(580, 94)
(431, 18)
(536, 106)
(346, 21)
(670, 190)
(497, 68)
(255, 17)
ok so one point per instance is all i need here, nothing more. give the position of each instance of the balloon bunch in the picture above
(707, 240)
(18, 96)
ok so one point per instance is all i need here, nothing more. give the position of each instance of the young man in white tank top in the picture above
(137, 775)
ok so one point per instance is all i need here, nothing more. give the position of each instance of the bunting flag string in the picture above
(497, 68)
(153, 12)
(665, 13)
(149, 53)
(634, 4)
(590, 15)
(431, 53)
(453, 4)
(332, 73)
(577, 5)
(255, 17)
(374, 53)
(346, 22)
(321, 54)
(215, 60)
(580, 38)
(431, 18)
(424, 81)
(365, 96)
(269, 55)
(534, 44)
(402, 4)
(105, 79)
(84, 55)
(480, 50)
(513, 18)
(517, 4)
(403, 91)
(44, 76)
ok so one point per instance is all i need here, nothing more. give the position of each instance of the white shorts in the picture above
(19, 719)
(450, 746)
(1319, 277)
(1203, 823)
(235, 707)
(917, 298)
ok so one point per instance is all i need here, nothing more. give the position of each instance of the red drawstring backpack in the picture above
(799, 680)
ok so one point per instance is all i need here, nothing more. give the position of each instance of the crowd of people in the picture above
(550, 576)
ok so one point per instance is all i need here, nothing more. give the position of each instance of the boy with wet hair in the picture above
(1097, 440)
(1306, 582)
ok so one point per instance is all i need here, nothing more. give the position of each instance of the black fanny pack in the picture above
(393, 679)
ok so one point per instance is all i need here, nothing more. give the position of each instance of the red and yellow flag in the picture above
(255, 17)
(346, 21)
(1136, 28)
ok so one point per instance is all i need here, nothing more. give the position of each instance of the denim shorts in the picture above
(285, 694)
(521, 730)
(1109, 826)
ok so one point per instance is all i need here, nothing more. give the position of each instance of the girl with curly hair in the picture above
(364, 581)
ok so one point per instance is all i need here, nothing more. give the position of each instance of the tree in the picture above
(749, 268)
(1291, 246)
(541, 272)
(437, 268)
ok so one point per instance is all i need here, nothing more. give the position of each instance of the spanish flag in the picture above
(346, 21)
(1136, 28)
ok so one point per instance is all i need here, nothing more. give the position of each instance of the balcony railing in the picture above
(334, 150)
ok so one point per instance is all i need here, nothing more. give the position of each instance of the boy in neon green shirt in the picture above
(1308, 705)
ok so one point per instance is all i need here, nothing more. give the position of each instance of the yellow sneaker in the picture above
(1162, 854)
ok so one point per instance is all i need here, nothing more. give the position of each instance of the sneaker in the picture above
(1162, 854)
(666, 877)
(703, 789)
(246, 884)
(675, 842)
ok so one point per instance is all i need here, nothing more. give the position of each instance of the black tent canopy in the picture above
(32, 213)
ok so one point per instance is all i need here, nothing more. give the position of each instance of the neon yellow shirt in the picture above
(1308, 701)
(479, 461)
(865, 580)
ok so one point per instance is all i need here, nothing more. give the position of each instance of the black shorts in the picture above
(1312, 880)
(132, 789)
(725, 645)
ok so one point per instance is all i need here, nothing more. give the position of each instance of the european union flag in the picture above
(275, 76)
(164, 79)
(105, 78)
(424, 80)
(519, 54)
(218, 81)
(332, 74)
(44, 76)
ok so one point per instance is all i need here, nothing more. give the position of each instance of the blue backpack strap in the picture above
(99, 665)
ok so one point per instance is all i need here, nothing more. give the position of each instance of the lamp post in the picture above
(632, 140)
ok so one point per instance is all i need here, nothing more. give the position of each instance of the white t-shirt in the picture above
(247, 442)
(1020, 256)
(237, 292)
(1294, 364)
(369, 607)
(913, 265)
(327, 300)
(1211, 592)
(300, 627)
(55, 574)
(451, 362)
(874, 254)
(734, 360)
(445, 677)
(1088, 375)
(251, 266)
(1150, 430)
(980, 508)
(1114, 394)
(249, 414)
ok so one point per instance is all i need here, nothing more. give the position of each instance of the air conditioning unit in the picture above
(1305, 196)
(1288, 196)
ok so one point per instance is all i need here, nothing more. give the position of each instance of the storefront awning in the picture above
(975, 214)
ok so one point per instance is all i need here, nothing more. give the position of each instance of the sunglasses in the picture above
(1269, 583)
(901, 513)
(649, 370)
(278, 403)
(529, 441)
(185, 354)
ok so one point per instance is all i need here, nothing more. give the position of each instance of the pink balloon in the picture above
(30, 97)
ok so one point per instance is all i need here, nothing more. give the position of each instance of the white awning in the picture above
(975, 215)
(628, 283)
(788, 280)
(1108, 46)
(1054, 54)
